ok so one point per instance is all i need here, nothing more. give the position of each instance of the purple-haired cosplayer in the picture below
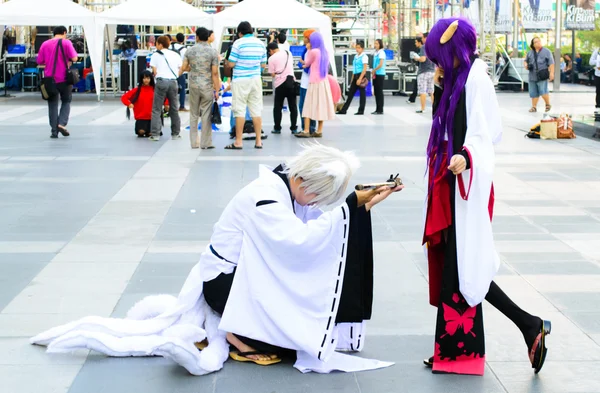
(458, 232)
(318, 104)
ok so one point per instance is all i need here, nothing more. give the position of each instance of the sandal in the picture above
(233, 147)
(533, 109)
(258, 147)
(304, 135)
(243, 357)
(201, 345)
(538, 351)
(548, 107)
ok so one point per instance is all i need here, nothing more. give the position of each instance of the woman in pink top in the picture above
(318, 104)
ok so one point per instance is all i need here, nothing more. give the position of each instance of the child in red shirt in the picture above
(140, 100)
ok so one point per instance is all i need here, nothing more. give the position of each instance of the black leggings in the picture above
(528, 324)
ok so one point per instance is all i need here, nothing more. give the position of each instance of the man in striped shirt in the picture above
(248, 57)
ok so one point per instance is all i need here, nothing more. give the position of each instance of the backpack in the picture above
(248, 129)
(178, 51)
(534, 132)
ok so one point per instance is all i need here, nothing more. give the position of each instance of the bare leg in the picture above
(534, 102)
(306, 124)
(546, 98)
(320, 127)
(239, 131)
(257, 121)
(233, 340)
(423, 101)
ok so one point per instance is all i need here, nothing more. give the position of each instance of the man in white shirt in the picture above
(165, 67)
(179, 47)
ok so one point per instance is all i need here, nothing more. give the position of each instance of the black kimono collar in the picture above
(283, 176)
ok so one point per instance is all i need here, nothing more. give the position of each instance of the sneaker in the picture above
(154, 138)
(420, 111)
(54, 136)
(276, 132)
(294, 132)
(174, 137)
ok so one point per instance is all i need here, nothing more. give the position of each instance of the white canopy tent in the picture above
(148, 13)
(294, 15)
(54, 13)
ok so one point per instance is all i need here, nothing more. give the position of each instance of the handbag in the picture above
(215, 116)
(543, 74)
(565, 128)
(48, 86)
(363, 83)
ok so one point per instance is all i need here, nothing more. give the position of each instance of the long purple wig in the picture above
(462, 46)
(316, 42)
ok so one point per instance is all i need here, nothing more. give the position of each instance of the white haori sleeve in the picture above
(478, 261)
(289, 279)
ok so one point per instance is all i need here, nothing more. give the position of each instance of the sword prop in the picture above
(392, 182)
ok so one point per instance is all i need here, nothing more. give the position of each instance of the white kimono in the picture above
(286, 291)
(478, 261)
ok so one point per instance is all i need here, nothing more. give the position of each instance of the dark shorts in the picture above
(216, 293)
(142, 125)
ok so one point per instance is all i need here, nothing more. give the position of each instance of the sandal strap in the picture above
(252, 353)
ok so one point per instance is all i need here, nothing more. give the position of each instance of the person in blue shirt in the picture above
(360, 65)
(379, 75)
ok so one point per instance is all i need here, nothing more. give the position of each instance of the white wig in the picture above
(325, 171)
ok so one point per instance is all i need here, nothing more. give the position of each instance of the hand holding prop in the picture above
(392, 182)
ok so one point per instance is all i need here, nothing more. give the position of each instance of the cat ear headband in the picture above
(449, 32)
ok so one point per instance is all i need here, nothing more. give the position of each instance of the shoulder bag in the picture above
(290, 80)
(179, 87)
(72, 73)
(48, 84)
(541, 74)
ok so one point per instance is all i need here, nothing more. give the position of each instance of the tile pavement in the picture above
(93, 223)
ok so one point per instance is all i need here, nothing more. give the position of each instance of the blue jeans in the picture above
(313, 124)
(89, 81)
(538, 88)
(181, 82)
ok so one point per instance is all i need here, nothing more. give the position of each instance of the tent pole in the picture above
(110, 58)
(104, 82)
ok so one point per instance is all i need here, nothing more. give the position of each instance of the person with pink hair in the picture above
(458, 235)
(318, 104)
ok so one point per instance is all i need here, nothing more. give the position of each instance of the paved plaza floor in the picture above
(92, 223)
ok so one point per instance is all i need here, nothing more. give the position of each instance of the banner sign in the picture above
(537, 15)
(580, 15)
(502, 15)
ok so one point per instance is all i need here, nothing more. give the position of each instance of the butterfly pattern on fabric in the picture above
(455, 320)
(460, 331)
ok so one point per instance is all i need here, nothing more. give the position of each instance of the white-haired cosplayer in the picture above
(278, 276)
